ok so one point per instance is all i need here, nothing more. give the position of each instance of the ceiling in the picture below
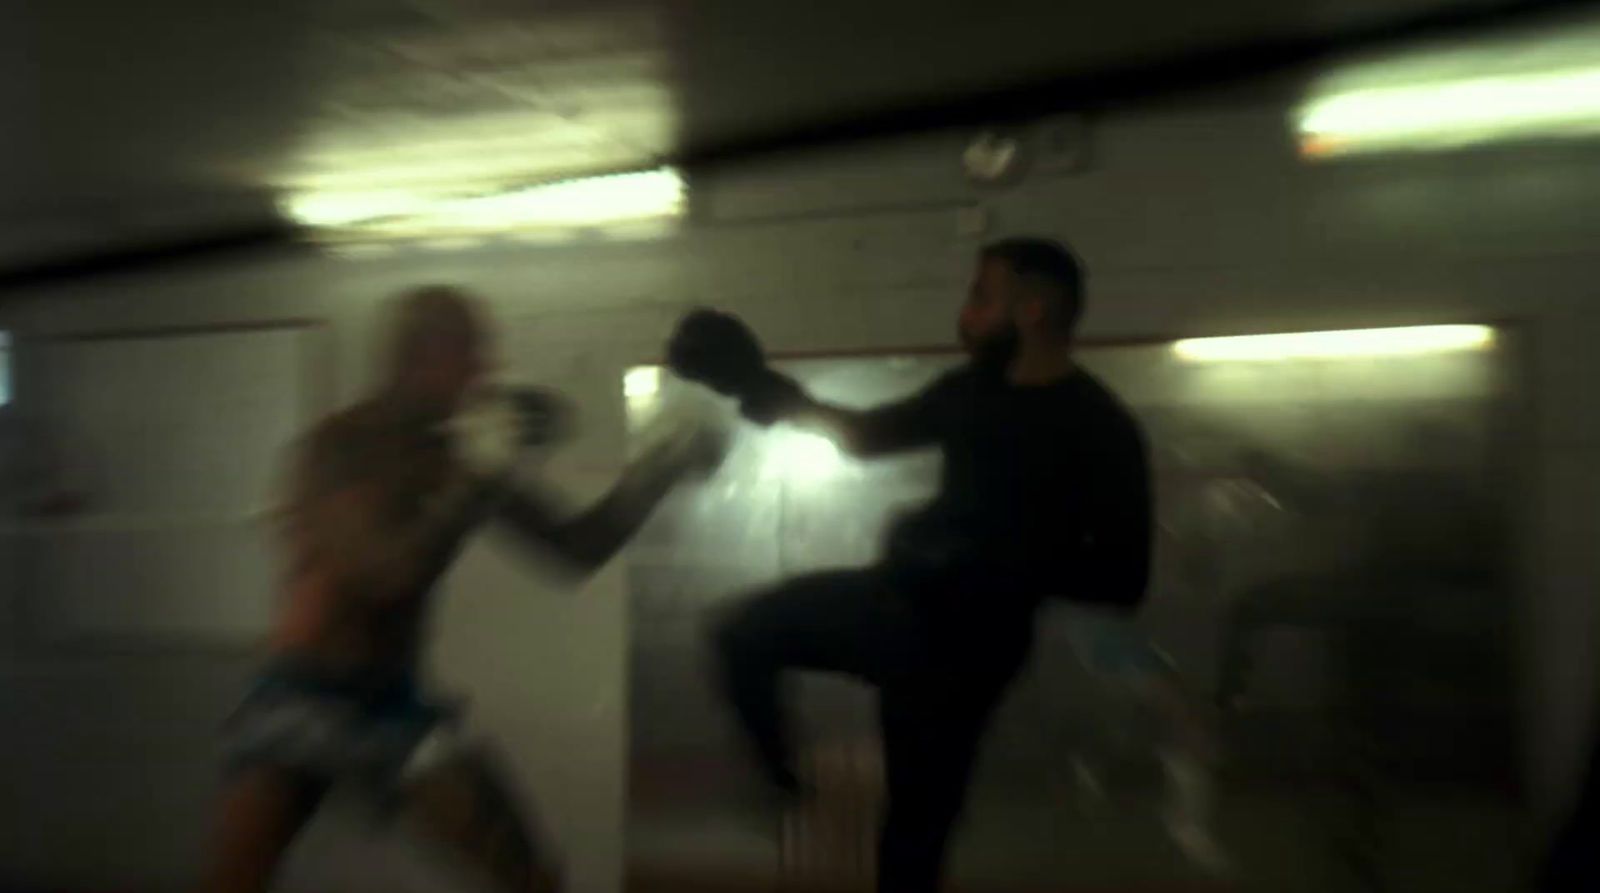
(174, 122)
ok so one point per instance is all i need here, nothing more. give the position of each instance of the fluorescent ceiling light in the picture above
(1330, 345)
(1460, 113)
(1539, 86)
(5, 368)
(565, 205)
(586, 202)
(342, 209)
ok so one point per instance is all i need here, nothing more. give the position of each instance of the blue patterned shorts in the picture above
(329, 727)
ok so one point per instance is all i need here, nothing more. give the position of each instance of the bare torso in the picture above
(347, 632)
(349, 625)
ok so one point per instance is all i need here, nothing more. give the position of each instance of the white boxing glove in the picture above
(486, 434)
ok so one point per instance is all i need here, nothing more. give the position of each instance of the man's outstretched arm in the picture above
(907, 424)
(583, 543)
(718, 350)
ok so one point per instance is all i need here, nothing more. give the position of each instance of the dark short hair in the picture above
(1048, 263)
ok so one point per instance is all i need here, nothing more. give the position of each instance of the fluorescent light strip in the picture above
(1332, 345)
(1546, 104)
(586, 202)
(335, 209)
(569, 204)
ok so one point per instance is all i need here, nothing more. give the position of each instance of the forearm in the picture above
(860, 433)
(592, 538)
(844, 427)
(586, 541)
(894, 427)
(776, 397)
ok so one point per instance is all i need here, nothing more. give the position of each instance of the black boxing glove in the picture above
(717, 350)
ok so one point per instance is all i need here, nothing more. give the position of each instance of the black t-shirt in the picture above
(1044, 491)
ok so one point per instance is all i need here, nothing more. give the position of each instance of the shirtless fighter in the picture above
(381, 497)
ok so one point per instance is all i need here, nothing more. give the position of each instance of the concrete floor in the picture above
(1315, 842)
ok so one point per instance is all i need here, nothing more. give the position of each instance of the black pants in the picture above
(939, 677)
(1573, 863)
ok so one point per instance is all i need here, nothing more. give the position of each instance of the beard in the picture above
(992, 351)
